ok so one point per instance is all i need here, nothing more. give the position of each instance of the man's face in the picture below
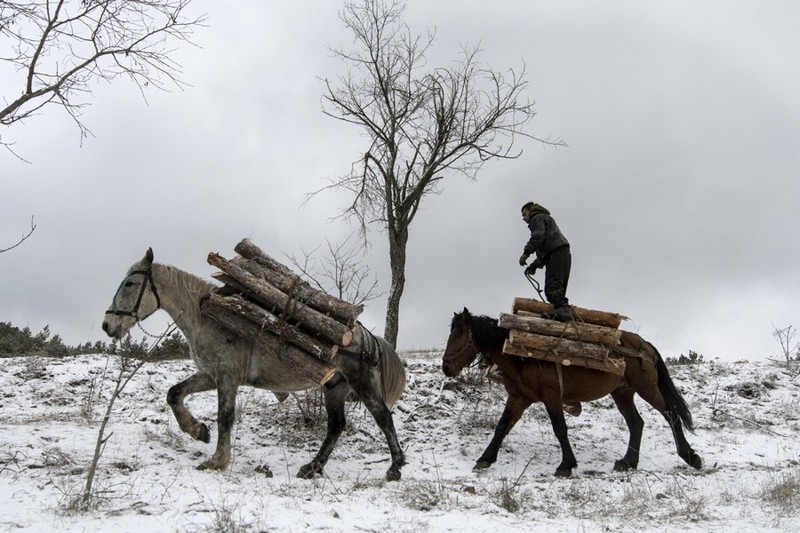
(525, 215)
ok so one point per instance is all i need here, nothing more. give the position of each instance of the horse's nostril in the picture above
(105, 327)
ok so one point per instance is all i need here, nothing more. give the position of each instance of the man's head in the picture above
(526, 211)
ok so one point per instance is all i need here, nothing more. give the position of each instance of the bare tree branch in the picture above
(423, 124)
(339, 272)
(61, 48)
(22, 239)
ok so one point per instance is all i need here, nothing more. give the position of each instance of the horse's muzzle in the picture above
(449, 372)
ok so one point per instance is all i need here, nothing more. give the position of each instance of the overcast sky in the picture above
(678, 191)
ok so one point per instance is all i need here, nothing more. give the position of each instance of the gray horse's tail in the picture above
(676, 405)
(392, 373)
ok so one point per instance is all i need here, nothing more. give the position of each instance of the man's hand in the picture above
(523, 259)
(533, 267)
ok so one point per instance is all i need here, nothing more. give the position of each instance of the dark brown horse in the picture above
(529, 380)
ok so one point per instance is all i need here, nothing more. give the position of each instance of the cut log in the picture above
(613, 365)
(248, 250)
(265, 320)
(534, 342)
(288, 308)
(590, 316)
(298, 289)
(573, 330)
(313, 368)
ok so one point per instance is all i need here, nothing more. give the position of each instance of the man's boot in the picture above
(562, 313)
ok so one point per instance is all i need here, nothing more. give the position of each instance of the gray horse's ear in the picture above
(148, 257)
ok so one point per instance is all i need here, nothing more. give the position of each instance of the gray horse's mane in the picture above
(188, 289)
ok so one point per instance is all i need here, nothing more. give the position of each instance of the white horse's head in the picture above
(135, 299)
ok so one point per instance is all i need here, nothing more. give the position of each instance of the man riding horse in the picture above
(552, 254)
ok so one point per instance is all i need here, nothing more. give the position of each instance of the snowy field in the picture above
(746, 415)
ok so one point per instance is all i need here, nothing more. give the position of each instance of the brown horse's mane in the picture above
(487, 334)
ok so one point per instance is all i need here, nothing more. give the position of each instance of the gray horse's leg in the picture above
(227, 387)
(334, 406)
(198, 382)
(374, 403)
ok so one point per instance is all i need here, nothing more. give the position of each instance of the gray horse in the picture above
(225, 361)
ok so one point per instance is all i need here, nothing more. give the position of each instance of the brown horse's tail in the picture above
(676, 405)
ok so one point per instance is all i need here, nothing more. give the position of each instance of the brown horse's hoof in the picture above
(481, 465)
(309, 471)
(696, 462)
(563, 472)
(623, 466)
(393, 474)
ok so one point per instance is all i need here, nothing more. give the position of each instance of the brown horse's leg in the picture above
(198, 382)
(555, 410)
(684, 449)
(667, 400)
(334, 406)
(623, 397)
(226, 413)
(515, 406)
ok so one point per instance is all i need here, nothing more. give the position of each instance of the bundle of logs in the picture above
(590, 340)
(265, 302)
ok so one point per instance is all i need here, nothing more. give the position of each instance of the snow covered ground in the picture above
(746, 416)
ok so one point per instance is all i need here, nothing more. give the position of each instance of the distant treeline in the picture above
(21, 342)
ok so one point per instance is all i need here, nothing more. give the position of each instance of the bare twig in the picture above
(22, 239)
(62, 48)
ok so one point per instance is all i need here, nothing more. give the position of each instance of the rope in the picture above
(535, 285)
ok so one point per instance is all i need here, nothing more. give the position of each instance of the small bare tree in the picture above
(61, 47)
(130, 360)
(423, 124)
(790, 349)
(339, 272)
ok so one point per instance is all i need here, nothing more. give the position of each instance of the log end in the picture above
(347, 338)
(327, 376)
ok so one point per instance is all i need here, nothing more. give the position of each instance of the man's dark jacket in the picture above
(545, 235)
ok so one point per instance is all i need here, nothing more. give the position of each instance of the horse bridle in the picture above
(148, 279)
(470, 344)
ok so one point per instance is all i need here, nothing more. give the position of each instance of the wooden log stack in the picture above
(590, 340)
(263, 301)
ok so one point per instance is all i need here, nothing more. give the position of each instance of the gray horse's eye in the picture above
(129, 284)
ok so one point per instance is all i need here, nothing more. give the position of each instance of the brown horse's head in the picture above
(460, 350)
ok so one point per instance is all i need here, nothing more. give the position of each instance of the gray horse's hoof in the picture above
(204, 435)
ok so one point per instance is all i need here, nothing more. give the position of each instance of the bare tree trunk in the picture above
(397, 263)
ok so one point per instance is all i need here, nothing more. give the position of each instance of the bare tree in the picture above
(22, 239)
(790, 349)
(423, 124)
(339, 272)
(61, 48)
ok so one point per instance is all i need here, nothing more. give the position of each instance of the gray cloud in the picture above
(678, 190)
